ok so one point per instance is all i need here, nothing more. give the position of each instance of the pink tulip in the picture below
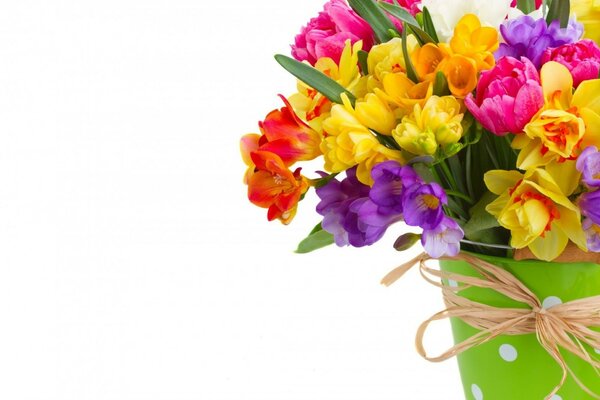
(326, 34)
(581, 58)
(508, 96)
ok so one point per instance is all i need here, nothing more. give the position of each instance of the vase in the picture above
(518, 367)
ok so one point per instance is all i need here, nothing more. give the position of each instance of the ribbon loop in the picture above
(564, 326)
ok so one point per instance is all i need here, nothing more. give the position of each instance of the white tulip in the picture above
(445, 14)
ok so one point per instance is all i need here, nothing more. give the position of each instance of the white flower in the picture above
(514, 13)
(446, 13)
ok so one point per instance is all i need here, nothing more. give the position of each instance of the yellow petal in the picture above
(531, 155)
(550, 246)
(570, 223)
(592, 127)
(520, 141)
(557, 83)
(566, 175)
(498, 181)
(586, 95)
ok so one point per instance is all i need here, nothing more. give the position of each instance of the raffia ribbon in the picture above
(562, 326)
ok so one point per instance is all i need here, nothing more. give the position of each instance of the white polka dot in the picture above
(508, 353)
(452, 283)
(551, 301)
(556, 397)
(477, 393)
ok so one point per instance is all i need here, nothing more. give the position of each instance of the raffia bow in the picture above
(562, 326)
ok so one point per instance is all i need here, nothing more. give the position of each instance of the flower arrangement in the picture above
(476, 121)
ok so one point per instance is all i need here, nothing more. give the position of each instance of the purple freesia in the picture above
(349, 215)
(589, 203)
(592, 233)
(444, 239)
(390, 180)
(423, 205)
(588, 164)
(527, 37)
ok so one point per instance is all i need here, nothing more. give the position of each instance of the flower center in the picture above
(550, 206)
(431, 201)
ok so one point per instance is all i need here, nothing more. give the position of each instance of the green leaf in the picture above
(398, 12)
(319, 183)
(440, 85)
(317, 239)
(410, 69)
(526, 6)
(428, 25)
(406, 241)
(315, 79)
(363, 63)
(422, 36)
(559, 11)
(371, 13)
(480, 221)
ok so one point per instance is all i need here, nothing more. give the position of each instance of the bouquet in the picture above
(476, 122)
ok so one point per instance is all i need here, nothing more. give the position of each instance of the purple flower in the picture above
(592, 232)
(527, 37)
(588, 164)
(589, 203)
(349, 215)
(444, 239)
(423, 205)
(390, 181)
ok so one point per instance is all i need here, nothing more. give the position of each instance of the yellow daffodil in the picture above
(536, 209)
(588, 13)
(312, 106)
(568, 123)
(348, 142)
(426, 128)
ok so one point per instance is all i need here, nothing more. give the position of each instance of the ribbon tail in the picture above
(399, 272)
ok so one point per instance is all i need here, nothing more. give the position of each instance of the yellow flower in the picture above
(475, 42)
(375, 114)
(428, 60)
(348, 143)
(387, 58)
(403, 94)
(461, 74)
(535, 208)
(588, 13)
(312, 106)
(437, 123)
(567, 124)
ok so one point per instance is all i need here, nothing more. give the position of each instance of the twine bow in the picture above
(562, 326)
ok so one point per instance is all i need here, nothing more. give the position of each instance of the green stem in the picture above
(449, 176)
(460, 196)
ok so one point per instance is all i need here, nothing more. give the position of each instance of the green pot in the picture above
(517, 367)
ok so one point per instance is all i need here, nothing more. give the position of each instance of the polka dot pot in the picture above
(517, 367)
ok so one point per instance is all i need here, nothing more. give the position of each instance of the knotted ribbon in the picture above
(564, 326)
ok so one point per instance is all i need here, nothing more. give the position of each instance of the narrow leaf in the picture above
(428, 25)
(316, 240)
(526, 6)
(440, 85)
(315, 79)
(371, 13)
(398, 12)
(363, 57)
(410, 69)
(559, 11)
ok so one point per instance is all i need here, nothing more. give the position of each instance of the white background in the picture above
(132, 265)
